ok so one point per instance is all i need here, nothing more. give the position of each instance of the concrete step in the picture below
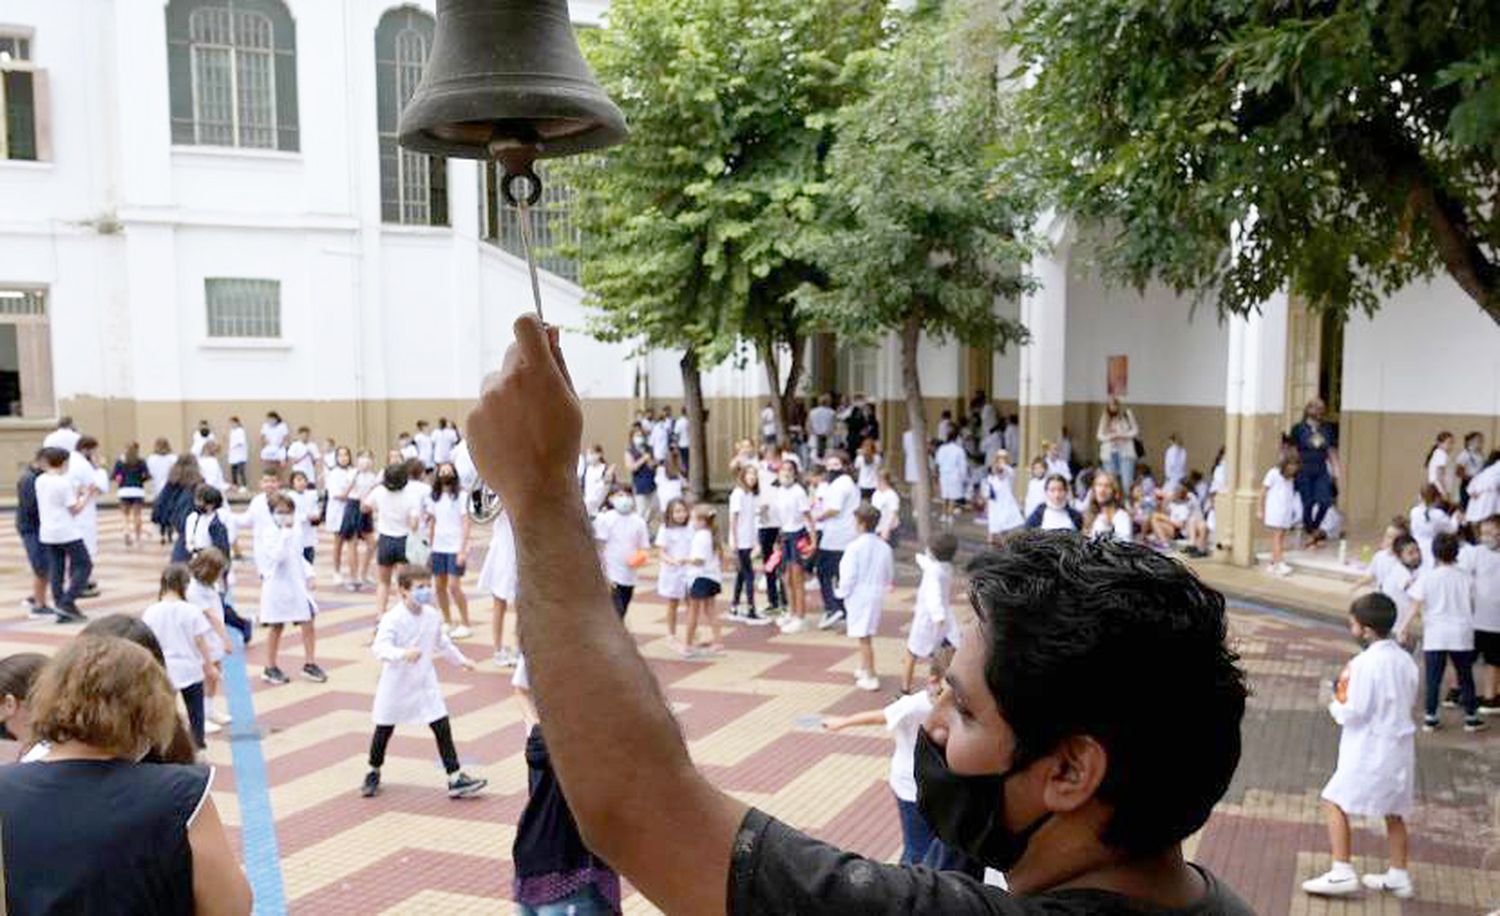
(1320, 564)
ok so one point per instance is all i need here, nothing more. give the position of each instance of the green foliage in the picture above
(920, 222)
(690, 226)
(1362, 136)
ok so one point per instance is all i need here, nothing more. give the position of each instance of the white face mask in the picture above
(622, 503)
(284, 519)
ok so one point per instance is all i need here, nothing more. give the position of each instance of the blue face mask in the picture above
(421, 595)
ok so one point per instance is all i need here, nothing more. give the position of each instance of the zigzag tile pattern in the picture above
(412, 850)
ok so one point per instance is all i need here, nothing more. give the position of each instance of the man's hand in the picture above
(524, 433)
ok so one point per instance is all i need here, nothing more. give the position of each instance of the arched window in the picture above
(232, 65)
(413, 186)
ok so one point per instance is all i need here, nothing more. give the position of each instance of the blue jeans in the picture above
(1316, 491)
(72, 557)
(1122, 466)
(192, 698)
(586, 902)
(1435, 663)
(916, 836)
(828, 576)
(744, 579)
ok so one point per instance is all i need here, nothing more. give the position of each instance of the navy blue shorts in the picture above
(704, 588)
(445, 564)
(390, 551)
(36, 555)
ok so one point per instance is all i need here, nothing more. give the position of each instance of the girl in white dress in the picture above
(1278, 509)
(1376, 771)
(410, 635)
(673, 541)
(285, 589)
(498, 577)
(1002, 514)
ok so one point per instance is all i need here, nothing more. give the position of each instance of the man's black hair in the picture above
(1097, 637)
(1376, 611)
(1445, 547)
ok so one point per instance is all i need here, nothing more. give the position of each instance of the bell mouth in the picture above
(538, 132)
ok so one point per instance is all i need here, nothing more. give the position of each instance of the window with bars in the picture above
(413, 186)
(232, 69)
(554, 230)
(239, 307)
(25, 354)
(22, 94)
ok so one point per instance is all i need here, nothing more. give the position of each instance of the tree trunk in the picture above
(692, 389)
(916, 420)
(782, 394)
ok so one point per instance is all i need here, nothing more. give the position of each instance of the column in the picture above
(1044, 312)
(1253, 407)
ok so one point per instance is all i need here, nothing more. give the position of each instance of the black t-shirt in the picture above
(777, 870)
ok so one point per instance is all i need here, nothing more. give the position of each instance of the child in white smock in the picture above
(1278, 509)
(285, 588)
(866, 571)
(932, 622)
(1002, 514)
(410, 635)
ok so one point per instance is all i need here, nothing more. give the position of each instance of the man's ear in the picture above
(1077, 771)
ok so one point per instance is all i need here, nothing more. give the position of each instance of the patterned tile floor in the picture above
(748, 717)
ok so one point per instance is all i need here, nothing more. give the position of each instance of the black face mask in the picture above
(968, 812)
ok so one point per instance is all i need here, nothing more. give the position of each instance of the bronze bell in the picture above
(506, 79)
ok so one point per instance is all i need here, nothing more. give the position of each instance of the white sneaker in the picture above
(794, 625)
(220, 717)
(210, 727)
(1332, 884)
(1398, 887)
(869, 682)
(338, 579)
(460, 632)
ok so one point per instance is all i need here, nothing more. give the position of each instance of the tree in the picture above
(921, 234)
(688, 227)
(1354, 144)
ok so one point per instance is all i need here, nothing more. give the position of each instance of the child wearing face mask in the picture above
(410, 635)
(903, 719)
(1376, 770)
(1482, 562)
(623, 541)
(448, 533)
(595, 480)
(286, 582)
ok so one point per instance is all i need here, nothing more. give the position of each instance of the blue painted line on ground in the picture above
(257, 824)
(1289, 615)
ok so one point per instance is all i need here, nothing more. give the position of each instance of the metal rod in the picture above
(523, 208)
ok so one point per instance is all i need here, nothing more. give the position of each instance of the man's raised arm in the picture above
(624, 768)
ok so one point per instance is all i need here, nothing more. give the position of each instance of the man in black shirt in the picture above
(1088, 724)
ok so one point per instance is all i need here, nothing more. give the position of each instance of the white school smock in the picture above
(1439, 470)
(1175, 464)
(1396, 585)
(443, 443)
(408, 692)
(841, 495)
(199, 441)
(1116, 523)
(213, 472)
(667, 488)
(903, 719)
(888, 504)
(1447, 596)
(210, 603)
(743, 527)
(1376, 772)
(1426, 524)
(284, 597)
(1281, 500)
(159, 467)
(932, 620)
(621, 536)
(238, 451)
(1036, 494)
(595, 487)
(1484, 493)
(791, 508)
(1001, 513)
(304, 457)
(867, 470)
(704, 561)
(497, 575)
(306, 504)
(865, 574)
(1059, 466)
(176, 624)
(1483, 566)
(675, 542)
(337, 482)
(916, 455)
(953, 470)
(275, 435)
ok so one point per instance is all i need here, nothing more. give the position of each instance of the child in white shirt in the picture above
(1175, 461)
(1396, 581)
(1057, 463)
(744, 538)
(866, 571)
(305, 498)
(1001, 512)
(1431, 517)
(932, 622)
(1383, 559)
(674, 540)
(669, 481)
(1444, 597)
(705, 562)
(903, 719)
(409, 637)
(888, 503)
(795, 513)
(1036, 487)
(182, 631)
(1482, 562)
(1055, 513)
(238, 454)
(1375, 776)
(207, 567)
(623, 541)
(1278, 509)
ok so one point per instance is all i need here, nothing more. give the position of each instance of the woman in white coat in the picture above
(409, 637)
(286, 589)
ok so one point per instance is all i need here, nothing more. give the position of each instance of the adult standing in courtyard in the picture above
(1117, 433)
(1082, 798)
(1317, 444)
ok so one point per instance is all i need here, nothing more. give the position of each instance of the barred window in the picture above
(413, 186)
(554, 231)
(232, 69)
(21, 87)
(25, 354)
(243, 308)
